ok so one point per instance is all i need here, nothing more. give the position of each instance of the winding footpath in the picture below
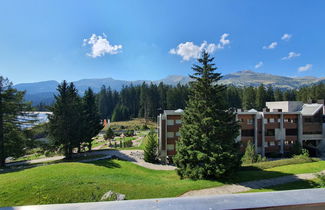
(247, 186)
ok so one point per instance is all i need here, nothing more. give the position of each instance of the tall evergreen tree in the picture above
(90, 117)
(64, 123)
(11, 106)
(207, 147)
(270, 93)
(249, 98)
(261, 97)
(278, 95)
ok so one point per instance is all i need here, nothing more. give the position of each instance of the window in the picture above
(271, 120)
(265, 121)
(170, 122)
(272, 143)
(250, 121)
(291, 132)
(178, 134)
(170, 134)
(178, 122)
(170, 147)
(270, 132)
(279, 120)
(247, 132)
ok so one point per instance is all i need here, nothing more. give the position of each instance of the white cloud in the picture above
(270, 46)
(188, 50)
(259, 65)
(223, 41)
(286, 37)
(305, 68)
(291, 55)
(101, 46)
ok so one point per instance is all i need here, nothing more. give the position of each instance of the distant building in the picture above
(272, 130)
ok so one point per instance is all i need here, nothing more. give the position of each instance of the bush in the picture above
(250, 156)
(304, 155)
(129, 133)
(150, 150)
(109, 134)
(144, 127)
(321, 178)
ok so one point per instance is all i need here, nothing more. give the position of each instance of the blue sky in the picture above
(137, 39)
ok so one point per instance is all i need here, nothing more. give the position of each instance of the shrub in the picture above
(129, 133)
(321, 177)
(150, 150)
(304, 154)
(144, 127)
(109, 134)
(250, 156)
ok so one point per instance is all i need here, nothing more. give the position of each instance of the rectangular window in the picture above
(178, 122)
(170, 134)
(250, 121)
(170, 147)
(291, 132)
(265, 121)
(247, 132)
(178, 134)
(170, 122)
(270, 132)
(272, 143)
(271, 120)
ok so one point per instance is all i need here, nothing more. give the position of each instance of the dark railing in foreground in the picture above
(293, 199)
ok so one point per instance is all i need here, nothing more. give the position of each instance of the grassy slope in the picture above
(81, 182)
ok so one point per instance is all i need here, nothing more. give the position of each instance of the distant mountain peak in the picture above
(39, 90)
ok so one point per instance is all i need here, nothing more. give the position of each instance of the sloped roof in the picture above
(310, 109)
(252, 110)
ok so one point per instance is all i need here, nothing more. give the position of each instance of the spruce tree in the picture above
(206, 148)
(261, 96)
(12, 105)
(64, 123)
(150, 150)
(91, 118)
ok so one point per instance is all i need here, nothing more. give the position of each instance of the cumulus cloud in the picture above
(223, 41)
(188, 50)
(259, 65)
(270, 46)
(286, 37)
(291, 55)
(101, 46)
(305, 67)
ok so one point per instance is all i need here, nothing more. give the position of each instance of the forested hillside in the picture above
(147, 100)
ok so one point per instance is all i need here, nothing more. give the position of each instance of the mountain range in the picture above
(44, 91)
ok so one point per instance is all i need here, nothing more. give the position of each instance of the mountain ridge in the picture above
(39, 91)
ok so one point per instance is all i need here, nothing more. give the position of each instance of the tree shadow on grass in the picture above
(257, 178)
(107, 163)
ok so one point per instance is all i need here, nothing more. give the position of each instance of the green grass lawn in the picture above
(85, 182)
(81, 182)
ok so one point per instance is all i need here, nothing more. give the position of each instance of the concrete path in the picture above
(41, 160)
(134, 156)
(246, 186)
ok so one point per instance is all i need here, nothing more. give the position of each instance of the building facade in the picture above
(274, 130)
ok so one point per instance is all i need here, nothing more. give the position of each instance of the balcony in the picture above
(290, 125)
(272, 125)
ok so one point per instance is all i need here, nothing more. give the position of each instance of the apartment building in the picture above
(272, 130)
